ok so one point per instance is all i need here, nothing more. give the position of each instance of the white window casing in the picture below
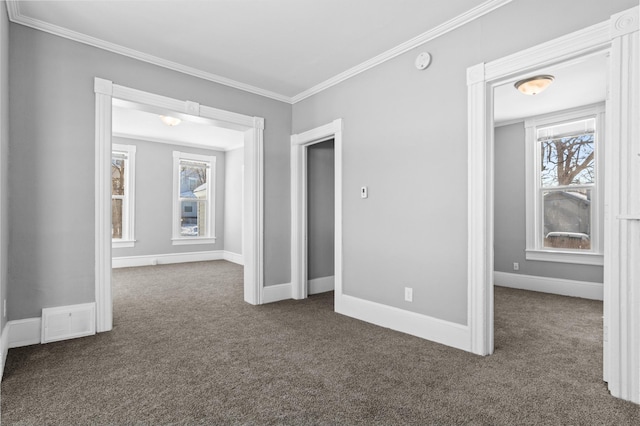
(209, 219)
(535, 249)
(128, 153)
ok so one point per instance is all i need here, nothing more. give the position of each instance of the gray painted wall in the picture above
(233, 200)
(154, 199)
(4, 155)
(405, 136)
(51, 164)
(510, 228)
(321, 209)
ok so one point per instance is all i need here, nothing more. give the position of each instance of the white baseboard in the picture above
(24, 332)
(321, 285)
(423, 326)
(4, 347)
(163, 259)
(275, 293)
(583, 289)
(233, 257)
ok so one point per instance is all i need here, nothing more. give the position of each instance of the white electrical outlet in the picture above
(516, 266)
(408, 294)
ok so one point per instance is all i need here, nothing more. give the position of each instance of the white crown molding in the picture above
(15, 16)
(440, 30)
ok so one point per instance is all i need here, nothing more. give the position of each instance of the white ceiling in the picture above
(280, 47)
(576, 83)
(128, 121)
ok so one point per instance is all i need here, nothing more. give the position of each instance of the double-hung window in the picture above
(564, 186)
(123, 159)
(193, 198)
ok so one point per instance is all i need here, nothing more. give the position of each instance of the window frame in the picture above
(128, 203)
(535, 249)
(210, 237)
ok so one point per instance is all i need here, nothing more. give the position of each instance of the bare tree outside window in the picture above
(567, 178)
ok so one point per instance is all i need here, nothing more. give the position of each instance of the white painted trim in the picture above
(488, 6)
(104, 302)
(622, 201)
(186, 241)
(4, 348)
(176, 143)
(24, 332)
(276, 293)
(129, 205)
(16, 16)
(168, 258)
(68, 322)
(423, 326)
(440, 30)
(210, 217)
(573, 288)
(535, 249)
(299, 144)
(233, 257)
(253, 222)
(565, 257)
(321, 285)
(619, 36)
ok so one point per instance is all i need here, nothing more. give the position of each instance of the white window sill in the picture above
(122, 243)
(193, 240)
(565, 257)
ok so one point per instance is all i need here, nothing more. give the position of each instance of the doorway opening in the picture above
(320, 217)
(300, 267)
(621, 331)
(252, 221)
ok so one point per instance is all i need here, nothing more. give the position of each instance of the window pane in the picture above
(116, 218)
(117, 176)
(567, 153)
(193, 218)
(567, 219)
(193, 179)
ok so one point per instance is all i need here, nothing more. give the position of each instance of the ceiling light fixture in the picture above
(170, 121)
(534, 85)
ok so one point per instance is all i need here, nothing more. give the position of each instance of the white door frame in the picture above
(252, 127)
(619, 36)
(299, 144)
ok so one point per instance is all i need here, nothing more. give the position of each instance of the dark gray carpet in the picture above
(190, 351)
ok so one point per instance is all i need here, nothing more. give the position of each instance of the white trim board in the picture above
(4, 348)
(423, 326)
(168, 258)
(573, 288)
(321, 285)
(24, 332)
(276, 293)
(233, 257)
(15, 15)
(299, 144)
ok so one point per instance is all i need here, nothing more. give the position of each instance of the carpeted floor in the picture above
(190, 351)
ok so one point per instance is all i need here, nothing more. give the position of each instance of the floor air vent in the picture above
(68, 322)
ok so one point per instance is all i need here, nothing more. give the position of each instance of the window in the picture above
(193, 200)
(564, 208)
(122, 195)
